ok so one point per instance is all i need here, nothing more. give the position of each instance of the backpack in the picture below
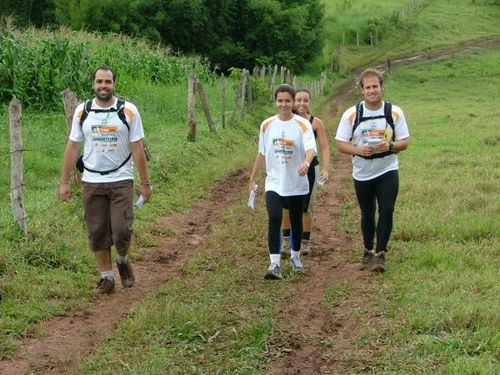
(388, 118)
(120, 106)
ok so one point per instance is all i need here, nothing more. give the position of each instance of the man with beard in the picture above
(112, 132)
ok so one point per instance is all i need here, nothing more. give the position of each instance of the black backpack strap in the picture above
(111, 170)
(389, 118)
(359, 116)
(86, 109)
(120, 108)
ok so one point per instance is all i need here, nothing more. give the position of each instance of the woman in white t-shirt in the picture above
(286, 148)
(366, 133)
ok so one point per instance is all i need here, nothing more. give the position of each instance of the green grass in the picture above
(443, 279)
(432, 25)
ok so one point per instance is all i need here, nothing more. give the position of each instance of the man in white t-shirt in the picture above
(374, 132)
(112, 132)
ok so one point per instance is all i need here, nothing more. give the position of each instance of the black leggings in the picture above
(383, 190)
(275, 204)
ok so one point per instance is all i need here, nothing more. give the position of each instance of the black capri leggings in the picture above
(275, 204)
(383, 190)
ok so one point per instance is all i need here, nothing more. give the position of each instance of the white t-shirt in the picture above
(107, 141)
(372, 132)
(284, 145)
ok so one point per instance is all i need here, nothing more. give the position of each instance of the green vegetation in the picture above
(36, 65)
(444, 296)
(230, 33)
(439, 296)
(401, 27)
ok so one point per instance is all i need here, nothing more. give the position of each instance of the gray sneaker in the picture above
(378, 262)
(274, 272)
(367, 260)
(297, 265)
(285, 246)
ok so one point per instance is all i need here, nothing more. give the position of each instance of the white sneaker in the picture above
(297, 265)
(274, 272)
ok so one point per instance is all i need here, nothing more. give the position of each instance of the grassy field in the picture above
(422, 28)
(440, 293)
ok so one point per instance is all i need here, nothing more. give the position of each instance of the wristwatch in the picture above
(391, 146)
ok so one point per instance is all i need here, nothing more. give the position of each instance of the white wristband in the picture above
(306, 163)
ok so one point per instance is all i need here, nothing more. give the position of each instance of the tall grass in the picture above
(36, 65)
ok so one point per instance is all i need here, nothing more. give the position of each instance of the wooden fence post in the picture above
(204, 104)
(70, 102)
(16, 164)
(248, 93)
(273, 81)
(238, 99)
(191, 108)
(243, 98)
(223, 102)
(263, 72)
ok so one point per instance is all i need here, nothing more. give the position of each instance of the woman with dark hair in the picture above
(286, 148)
(314, 174)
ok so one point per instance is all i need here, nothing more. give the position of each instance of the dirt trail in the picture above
(67, 338)
(335, 260)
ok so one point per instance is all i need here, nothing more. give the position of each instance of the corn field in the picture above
(36, 65)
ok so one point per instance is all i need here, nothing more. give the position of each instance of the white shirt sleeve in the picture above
(401, 127)
(136, 127)
(76, 134)
(344, 131)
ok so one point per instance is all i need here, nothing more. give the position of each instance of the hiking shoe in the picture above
(378, 262)
(105, 286)
(305, 249)
(274, 272)
(126, 274)
(297, 265)
(367, 260)
(285, 246)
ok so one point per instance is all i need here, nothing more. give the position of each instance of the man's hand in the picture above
(64, 192)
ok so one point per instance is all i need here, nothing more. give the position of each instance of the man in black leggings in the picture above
(374, 132)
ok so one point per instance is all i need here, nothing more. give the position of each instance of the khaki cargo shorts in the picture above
(109, 214)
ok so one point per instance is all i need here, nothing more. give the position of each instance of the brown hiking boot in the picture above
(126, 274)
(367, 260)
(104, 286)
(378, 262)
